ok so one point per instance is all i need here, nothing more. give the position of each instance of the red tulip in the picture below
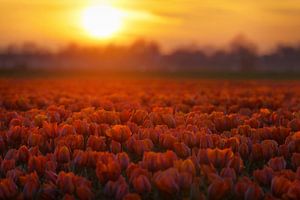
(294, 124)
(219, 158)
(141, 184)
(8, 189)
(115, 147)
(62, 154)
(31, 185)
(139, 117)
(23, 154)
(119, 133)
(219, 189)
(182, 150)
(186, 166)
(185, 180)
(167, 141)
(236, 163)
(167, 181)
(269, 149)
(132, 196)
(123, 160)
(257, 153)
(169, 120)
(294, 191)
(110, 171)
(254, 192)
(65, 182)
(280, 186)
(84, 193)
(48, 191)
(277, 163)
(7, 165)
(296, 160)
(241, 187)
(244, 151)
(264, 176)
(80, 158)
(96, 143)
(228, 173)
(50, 130)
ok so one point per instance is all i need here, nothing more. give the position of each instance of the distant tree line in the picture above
(147, 56)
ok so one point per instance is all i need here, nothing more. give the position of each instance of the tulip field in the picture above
(148, 138)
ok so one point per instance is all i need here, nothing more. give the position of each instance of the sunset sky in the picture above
(170, 22)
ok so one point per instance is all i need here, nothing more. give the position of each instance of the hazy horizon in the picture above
(171, 23)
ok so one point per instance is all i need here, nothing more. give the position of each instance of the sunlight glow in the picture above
(102, 21)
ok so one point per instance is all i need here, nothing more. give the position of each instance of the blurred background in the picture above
(172, 36)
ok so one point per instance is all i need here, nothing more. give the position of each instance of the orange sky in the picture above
(170, 22)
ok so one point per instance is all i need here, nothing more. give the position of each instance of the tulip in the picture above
(84, 193)
(294, 191)
(277, 163)
(241, 187)
(8, 189)
(23, 154)
(132, 196)
(228, 173)
(7, 165)
(264, 176)
(269, 149)
(119, 133)
(96, 143)
(62, 154)
(257, 153)
(141, 184)
(167, 181)
(182, 150)
(296, 160)
(254, 192)
(123, 160)
(65, 182)
(280, 186)
(219, 189)
(48, 191)
(31, 186)
(110, 171)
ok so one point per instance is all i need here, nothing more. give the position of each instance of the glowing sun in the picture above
(102, 21)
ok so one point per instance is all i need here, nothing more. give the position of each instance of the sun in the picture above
(102, 21)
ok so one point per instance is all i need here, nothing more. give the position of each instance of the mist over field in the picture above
(241, 55)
